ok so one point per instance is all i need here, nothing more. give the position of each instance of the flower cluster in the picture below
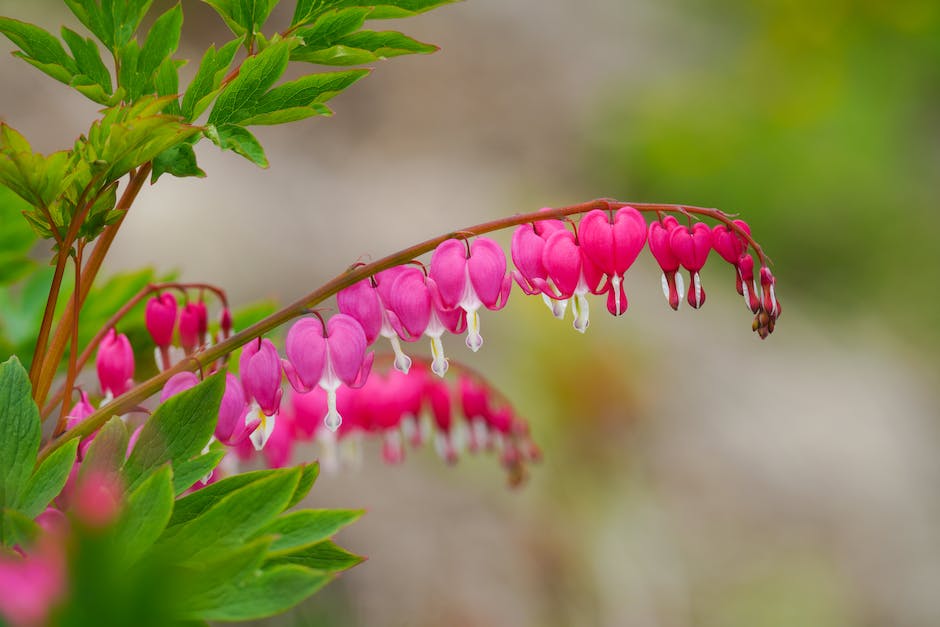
(327, 362)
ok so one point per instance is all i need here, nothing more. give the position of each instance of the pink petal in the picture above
(346, 343)
(362, 302)
(306, 350)
(487, 269)
(410, 300)
(449, 271)
(562, 259)
(629, 231)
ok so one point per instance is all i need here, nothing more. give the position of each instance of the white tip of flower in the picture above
(615, 282)
(402, 361)
(177, 354)
(439, 364)
(773, 299)
(581, 313)
(680, 287)
(697, 283)
(665, 286)
(474, 339)
(158, 358)
(557, 307)
(259, 437)
(746, 288)
(409, 427)
(329, 459)
(332, 420)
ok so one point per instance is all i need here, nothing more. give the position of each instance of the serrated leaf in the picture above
(19, 431)
(240, 141)
(301, 98)
(162, 41)
(332, 25)
(323, 555)
(48, 480)
(39, 47)
(243, 16)
(178, 429)
(363, 47)
(209, 76)
(91, 14)
(145, 514)
(257, 74)
(265, 593)
(307, 526)
(187, 473)
(232, 520)
(179, 161)
(88, 60)
(166, 82)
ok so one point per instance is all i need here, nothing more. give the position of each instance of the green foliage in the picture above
(16, 240)
(19, 432)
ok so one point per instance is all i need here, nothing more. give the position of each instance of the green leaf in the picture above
(14, 266)
(309, 10)
(162, 41)
(323, 555)
(177, 430)
(37, 179)
(167, 83)
(232, 520)
(189, 472)
(332, 25)
(238, 140)
(107, 452)
(40, 48)
(113, 23)
(205, 581)
(179, 161)
(301, 98)
(17, 528)
(265, 593)
(93, 16)
(196, 504)
(309, 474)
(88, 59)
(19, 431)
(95, 220)
(48, 480)
(257, 74)
(145, 514)
(362, 47)
(307, 526)
(243, 16)
(209, 76)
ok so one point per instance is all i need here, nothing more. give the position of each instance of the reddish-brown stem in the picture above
(151, 386)
(39, 353)
(72, 369)
(112, 322)
(56, 349)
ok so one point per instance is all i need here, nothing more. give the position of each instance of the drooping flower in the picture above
(659, 237)
(234, 425)
(160, 319)
(528, 243)
(613, 246)
(367, 302)
(691, 248)
(179, 382)
(115, 364)
(469, 281)
(33, 584)
(413, 305)
(439, 400)
(572, 273)
(328, 357)
(260, 369)
(225, 322)
(193, 324)
(746, 283)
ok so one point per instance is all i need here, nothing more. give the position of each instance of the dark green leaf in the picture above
(19, 431)
(93, 16)
(179, 161)
(145, 514)
(208, 77)
(95, 220)
(301, 98)
(240, 141)
(177, 430)
(167, 83)
(187, 473)
(307, 526)
(232, 520)
(243, 16)
(162, 41)
(88, 59)
(265, 593)
(323, 555)
(40, 48)
(256, 76)
(48, 480)
(309, 474)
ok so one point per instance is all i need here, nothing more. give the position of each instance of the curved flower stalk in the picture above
(465, 276)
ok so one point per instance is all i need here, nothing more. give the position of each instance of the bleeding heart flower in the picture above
(728, 243)
(234, 425)
(691, 248)
(469, 281)
(260, 369)
(572, 273)
(528, 244)
(659, 237)
(194, 322)
(160, 319)
(613, 246)
(115, 364)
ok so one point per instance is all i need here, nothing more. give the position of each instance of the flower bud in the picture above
(115, 363)
(194, 322)
(160, 318)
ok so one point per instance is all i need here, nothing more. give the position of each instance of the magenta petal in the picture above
(487, 269)
(410, 300)
(612, 303)
(562, 259)
(232, 410)
(115, 363)
(260, 369)
(306, 349)
(659, 239)
(729, 244)
(629, 231)
(160, 318)
(526, 251)
(384, 281)
(362, 302)
(449, 271)
(347, 347)
(596, 236)
(179, 382)
(691, 247)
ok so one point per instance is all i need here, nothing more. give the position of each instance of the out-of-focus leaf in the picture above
(16, 528)
(323, 555)
(107, 452)
(186, 474)
(145, 514)
(19, 431)
(178, 429)
(308, 476)
(307, 526)
(232, 520)
(265, 593)
(204, 580)
(48, 480)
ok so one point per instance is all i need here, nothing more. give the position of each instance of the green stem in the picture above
(151, 386)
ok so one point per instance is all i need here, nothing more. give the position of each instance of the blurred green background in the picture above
(694, 476)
